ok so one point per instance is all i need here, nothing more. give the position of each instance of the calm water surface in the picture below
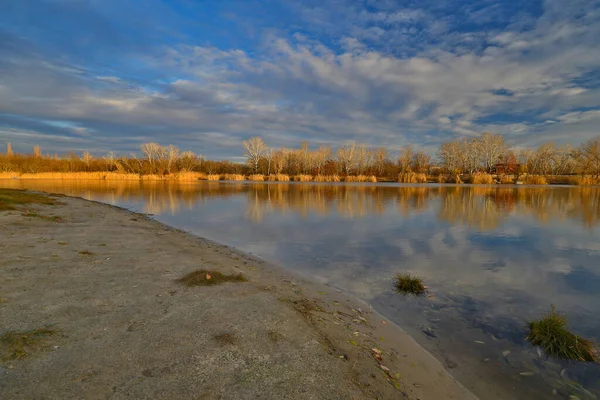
(493, 257)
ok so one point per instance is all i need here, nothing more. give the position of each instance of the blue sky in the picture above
(103, 75)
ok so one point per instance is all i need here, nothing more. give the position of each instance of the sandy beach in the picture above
(104, 282)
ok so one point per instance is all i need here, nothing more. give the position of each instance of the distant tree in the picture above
(111, 160)
(420, 162)
(347, 158)
(491, 148)
(587, 157)
(87, 158)
(255, 148)
(37, 152)
(405, 158)
(9, 150)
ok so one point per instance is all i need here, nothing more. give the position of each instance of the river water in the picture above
(493, 257)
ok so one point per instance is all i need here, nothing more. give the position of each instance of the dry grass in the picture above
(481, 178)
(190, 176)
(327, 178)
(256, 177)
(535, 180)
(213, 177)
(106, 176)
(408, 284)
(507, 179)
(35, 214)
(586, 180)
(16, 345)
(86, 253)
(302, 178)
(360, 178)
(412, 177)
(205, 277)
(279, 178)
(11, 198)
(551, 334)
(232, 177)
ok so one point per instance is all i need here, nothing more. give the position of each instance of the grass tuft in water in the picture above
(407, 284)
(551, 334)
(205, 277)
(15, 345)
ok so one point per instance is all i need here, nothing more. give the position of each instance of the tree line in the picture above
(488, 153)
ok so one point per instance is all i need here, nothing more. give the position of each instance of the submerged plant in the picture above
(204, 277)
(551, 334)
(407, 284)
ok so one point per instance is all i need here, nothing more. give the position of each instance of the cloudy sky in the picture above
(103, 75)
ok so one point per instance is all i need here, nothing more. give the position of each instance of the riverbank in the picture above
(103, 282)
(480, 179)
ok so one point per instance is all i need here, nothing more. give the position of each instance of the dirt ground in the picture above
(103, 283)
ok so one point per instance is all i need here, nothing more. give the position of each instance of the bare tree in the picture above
(405, 158)
(87, 158)
(491, 148)
(361, 159)
(111, 160)
(320, 157)
(152, 152)
(37, 152)
(269, 155)
(279, 160)
(171, 153)
(420, 162)
(255, 147)
(379, 158)
(346, 156)
(587, 157)
(9, 150)
(469, 155)
(449, 155)
(187, 161)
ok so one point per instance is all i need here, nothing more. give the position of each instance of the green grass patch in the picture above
(551, 334)
(10, 199)
(205, 277)
(408, 284)
(16, 345)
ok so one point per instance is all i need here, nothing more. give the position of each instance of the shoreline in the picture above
(344, 328)
(194, 177)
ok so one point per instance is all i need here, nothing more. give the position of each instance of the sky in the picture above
(108, 75)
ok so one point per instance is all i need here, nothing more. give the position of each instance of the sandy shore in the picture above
(105, 280)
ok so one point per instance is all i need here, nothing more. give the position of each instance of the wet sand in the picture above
(105, 279)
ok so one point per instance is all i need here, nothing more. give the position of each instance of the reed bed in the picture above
(586, 180)
(481, 178)
(360, 178)
(302, 178)
(279, 178)
(327, 178)
(233, 177)
(213, 177)
(412, 177)
(106, 176)
(256, 177)
(507, 179)
(190, 176)
(535, 180)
